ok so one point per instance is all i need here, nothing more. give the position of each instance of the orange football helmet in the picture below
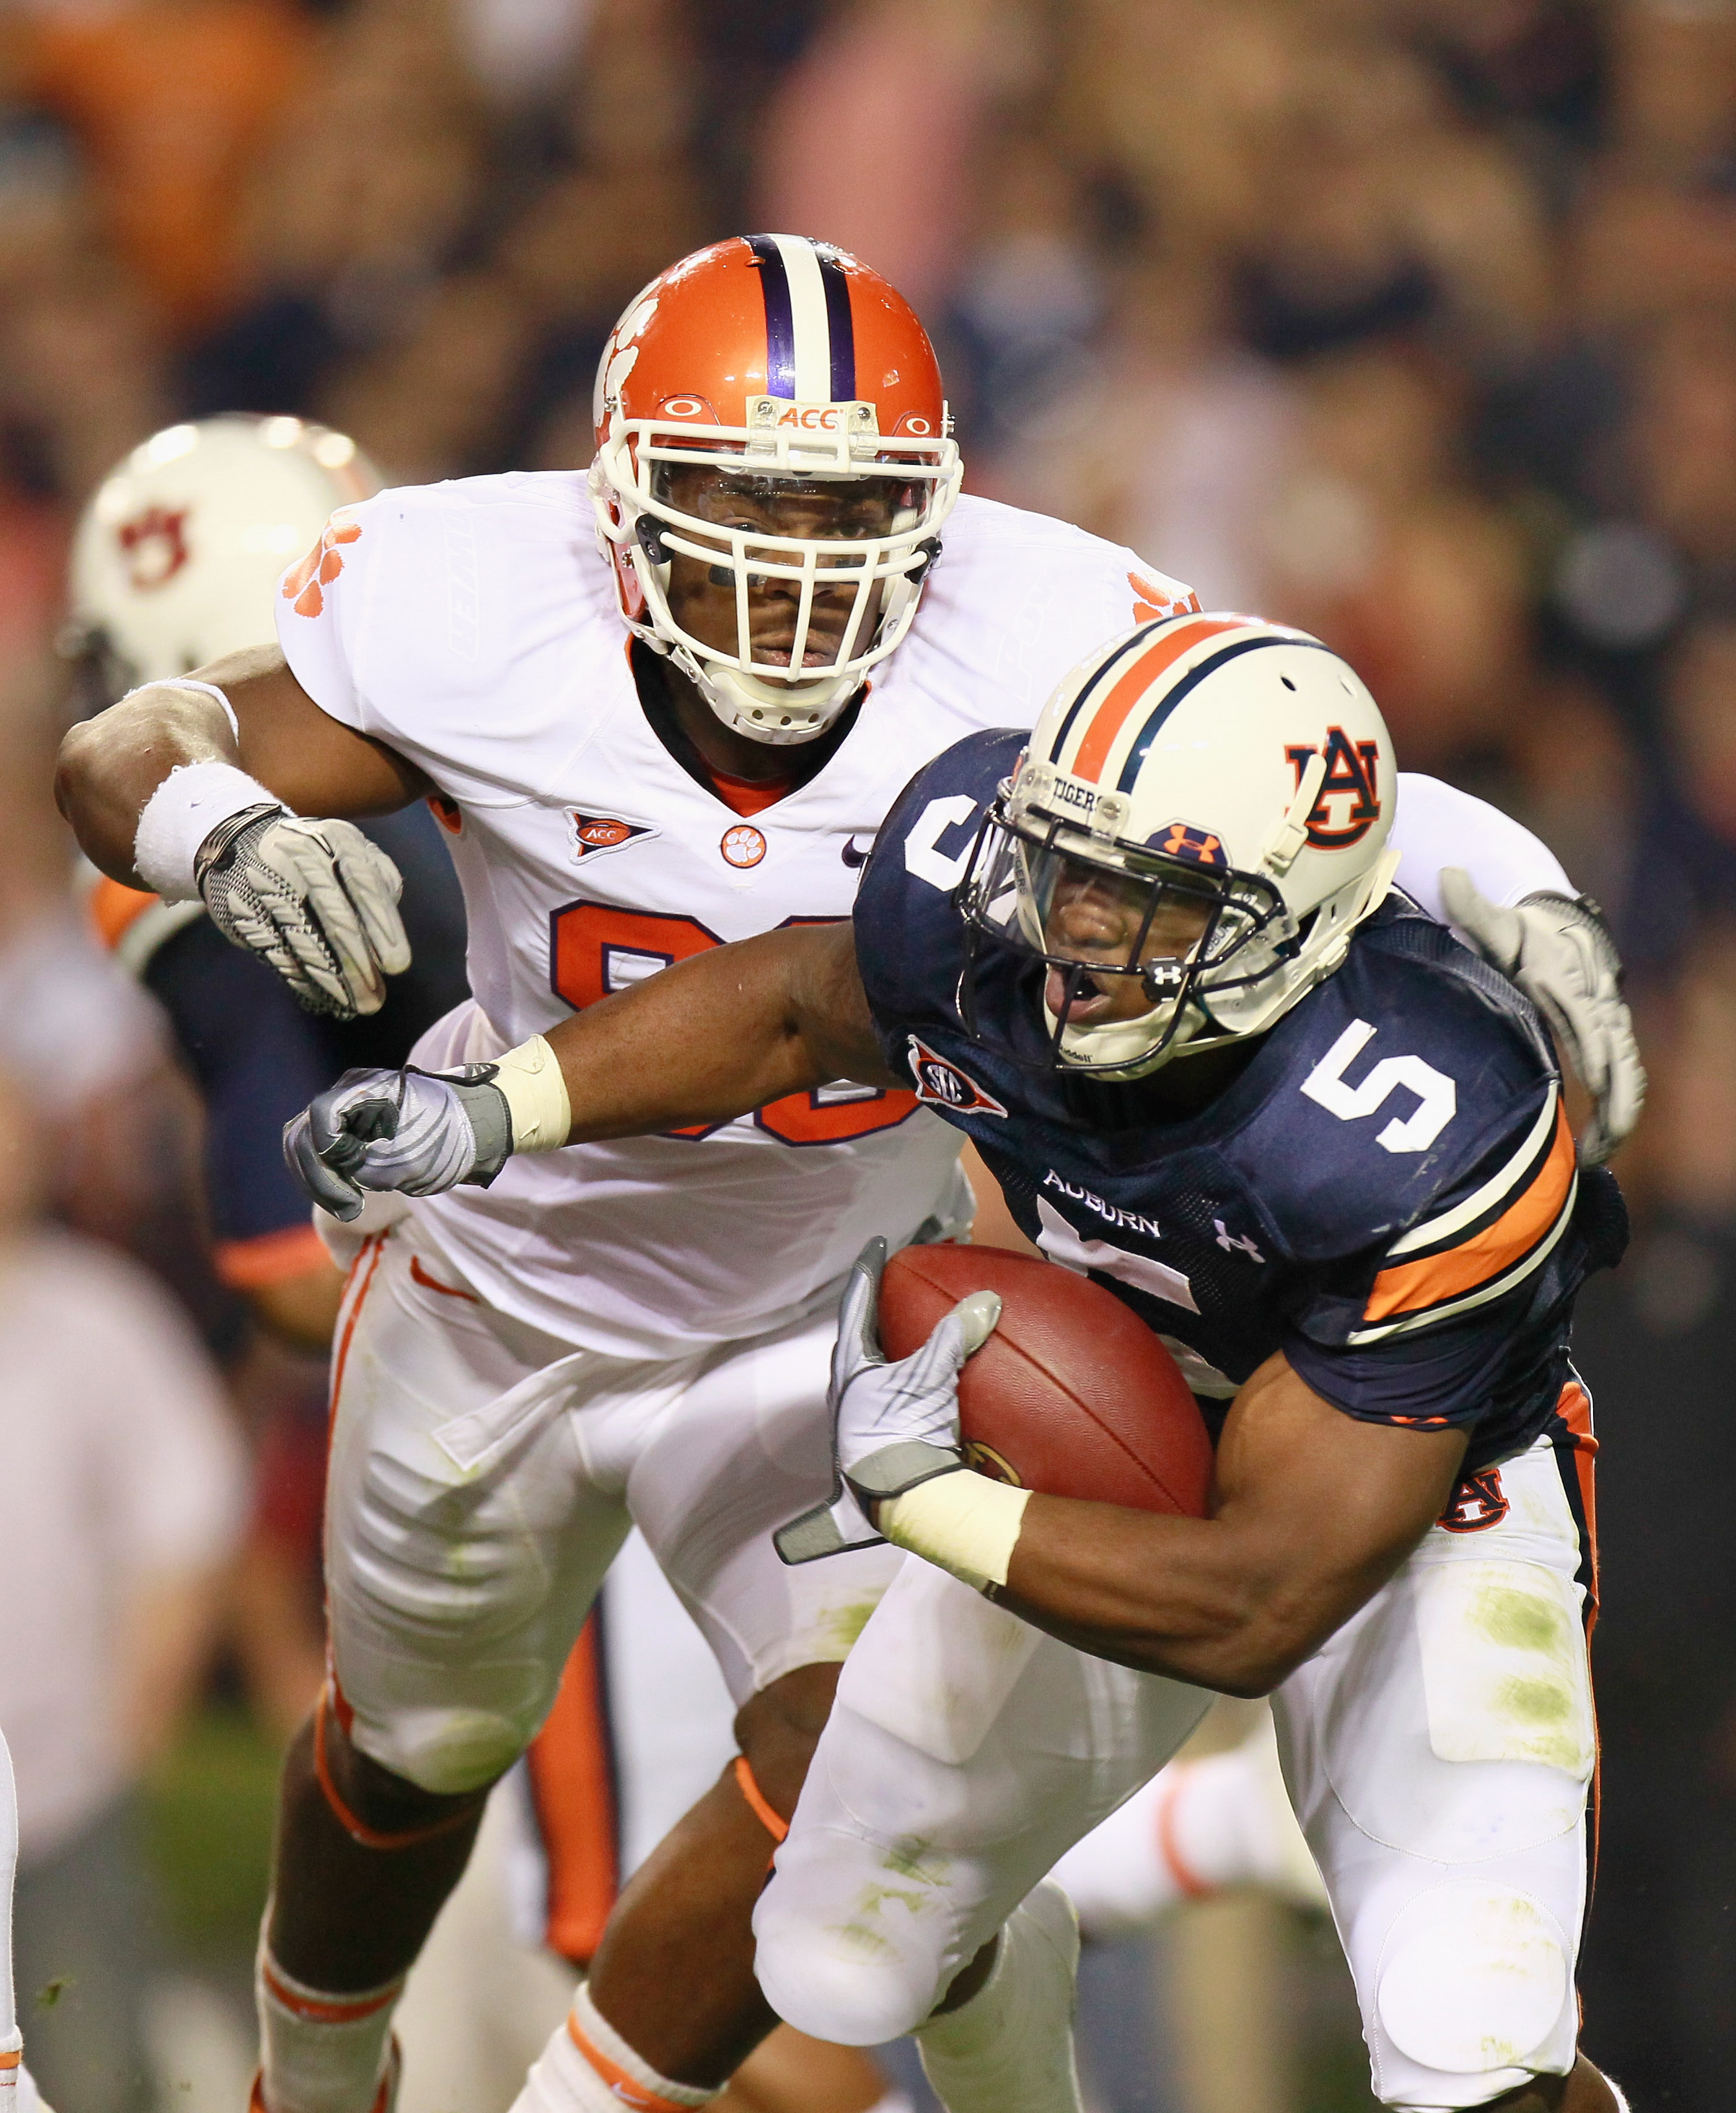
(790, 372)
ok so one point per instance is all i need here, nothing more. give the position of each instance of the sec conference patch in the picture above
(942, 1084)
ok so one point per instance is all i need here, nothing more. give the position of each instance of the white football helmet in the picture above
(1198, 827)
(768, 370)
(177, 557)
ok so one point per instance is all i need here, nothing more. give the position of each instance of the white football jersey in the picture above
(472, 628)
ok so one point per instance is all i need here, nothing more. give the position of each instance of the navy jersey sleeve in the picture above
(258, 1059)
(907, 934)
(1423, 1328)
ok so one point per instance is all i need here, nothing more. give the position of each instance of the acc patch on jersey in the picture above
(941, 1084)
(603, 832)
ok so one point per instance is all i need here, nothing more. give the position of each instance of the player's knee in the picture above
(441, 1753)
(779, 1728)
(1474, 1979)
(833, 1991)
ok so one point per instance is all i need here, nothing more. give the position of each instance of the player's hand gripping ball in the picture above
(1072, 1395)
(977, 1357)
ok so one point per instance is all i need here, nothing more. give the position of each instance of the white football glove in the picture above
(419, 1132)
(316, 900)
(893, 1426)
(1556, 948)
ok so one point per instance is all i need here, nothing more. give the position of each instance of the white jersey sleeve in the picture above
(439, 620)
(1437, 825)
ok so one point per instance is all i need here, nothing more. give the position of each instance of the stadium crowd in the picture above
(1411, 321)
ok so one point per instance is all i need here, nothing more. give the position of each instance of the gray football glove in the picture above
(893, 1426)
(1557, 949)
(416, 1132)
(316, 900)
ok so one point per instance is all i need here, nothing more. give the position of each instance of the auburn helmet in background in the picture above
(1198, 826)
(783, 367)
(177, 558)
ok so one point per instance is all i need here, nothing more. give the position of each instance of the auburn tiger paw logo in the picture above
(305, 586)
(1479, 1503)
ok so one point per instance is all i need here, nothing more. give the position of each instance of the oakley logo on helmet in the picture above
(943, 1084)
(1352, 768)
(156, 544)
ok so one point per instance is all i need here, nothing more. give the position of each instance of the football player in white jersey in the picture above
(695, 741)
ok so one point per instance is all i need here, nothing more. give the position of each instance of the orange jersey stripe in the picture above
(1408, 1287)
(1113, 713)
(571, 1781)
(270, 1258)
(113, 908)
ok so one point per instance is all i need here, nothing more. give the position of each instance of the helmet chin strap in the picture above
(765, 712)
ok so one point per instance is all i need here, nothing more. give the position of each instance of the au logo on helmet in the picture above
(1352, 769)
(155, 545)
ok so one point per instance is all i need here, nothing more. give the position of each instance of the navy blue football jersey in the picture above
(1385, 1191)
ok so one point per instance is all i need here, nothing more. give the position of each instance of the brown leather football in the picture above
(1072, 1394)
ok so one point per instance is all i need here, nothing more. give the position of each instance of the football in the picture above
(1072, 1395)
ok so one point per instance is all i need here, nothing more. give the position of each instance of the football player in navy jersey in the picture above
(1320, 1148)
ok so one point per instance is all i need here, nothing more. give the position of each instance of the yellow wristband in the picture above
(965, 1523)
(530, 1076)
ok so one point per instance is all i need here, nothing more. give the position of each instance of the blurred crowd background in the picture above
(1411, 321)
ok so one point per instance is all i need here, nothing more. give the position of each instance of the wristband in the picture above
(186, 682)
(962, 1522)
(529, 1077)
(181, 813)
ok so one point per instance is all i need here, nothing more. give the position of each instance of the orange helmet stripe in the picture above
(1117, 707)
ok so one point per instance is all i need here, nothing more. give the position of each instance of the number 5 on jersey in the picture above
(596, 948)
(1437, 1097)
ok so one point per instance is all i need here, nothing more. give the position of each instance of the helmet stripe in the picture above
(839, 329)
(1127, 646)
(774, 286)
(1117, 706)
(1195, 676)
(810, 327)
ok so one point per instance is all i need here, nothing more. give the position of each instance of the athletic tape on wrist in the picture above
(529, 1077)
(186, 682)
(964, 1522)
(179, 816)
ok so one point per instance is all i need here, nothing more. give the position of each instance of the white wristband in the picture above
(187, 682)
(530, 1076)
(179, 816)
(965, 1523)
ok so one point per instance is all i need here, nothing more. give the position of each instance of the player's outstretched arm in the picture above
(710, 1039)
(196, 787)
